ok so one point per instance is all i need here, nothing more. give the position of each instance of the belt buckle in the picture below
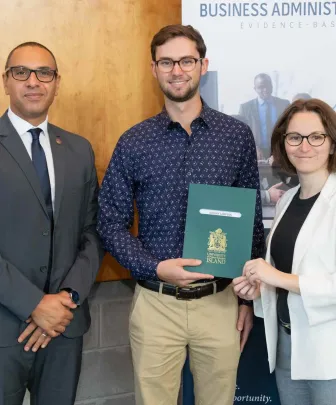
(177, 293)
(197, 291)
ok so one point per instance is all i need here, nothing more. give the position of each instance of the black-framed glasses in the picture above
(314, 139)
(186, 64)
(22, 73)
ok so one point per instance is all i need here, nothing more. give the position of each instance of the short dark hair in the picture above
(263, 76)
(32, 44)
(328, 119)
(178, 30)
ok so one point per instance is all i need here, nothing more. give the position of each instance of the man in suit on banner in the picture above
(49, 249)
(262, 112)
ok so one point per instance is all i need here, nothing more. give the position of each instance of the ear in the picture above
(332, 149)
(58, 80)
(204, 66)
(153, 67)
(5, 84)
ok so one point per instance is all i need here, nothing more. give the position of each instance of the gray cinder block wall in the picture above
(107, 374)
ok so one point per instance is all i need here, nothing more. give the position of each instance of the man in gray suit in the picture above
(262, 112)
(49, 248)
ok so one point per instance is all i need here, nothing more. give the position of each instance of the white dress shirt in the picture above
(22, 128)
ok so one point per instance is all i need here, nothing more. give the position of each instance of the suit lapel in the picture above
(277, 105)
(309, 227)
(276, 223)
(11, 140)
(57, 148)
(255, 113)
(312, 222)
(308, 231)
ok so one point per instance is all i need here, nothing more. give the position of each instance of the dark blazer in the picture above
(25, 235)
(250, 112)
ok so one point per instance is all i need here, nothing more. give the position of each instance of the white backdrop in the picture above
(299, 59)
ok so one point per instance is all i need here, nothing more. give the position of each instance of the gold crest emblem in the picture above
(217, 246)
(217, 241)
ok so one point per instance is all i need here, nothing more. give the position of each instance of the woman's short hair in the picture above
(328, 119)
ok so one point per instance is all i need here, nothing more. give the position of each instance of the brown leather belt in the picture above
(187, 293)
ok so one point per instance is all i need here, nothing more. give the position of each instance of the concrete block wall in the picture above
(107, 374)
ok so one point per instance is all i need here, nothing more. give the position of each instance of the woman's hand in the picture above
(259, 270)
(244, 289)
(255, 271)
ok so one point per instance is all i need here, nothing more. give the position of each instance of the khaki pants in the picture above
(161, 328)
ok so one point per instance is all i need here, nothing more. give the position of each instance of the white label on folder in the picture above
(221, 213)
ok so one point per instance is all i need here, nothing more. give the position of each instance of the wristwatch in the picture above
(73, 295)
(245, 302)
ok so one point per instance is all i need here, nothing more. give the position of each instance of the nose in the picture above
(32, 81)
(177, 71)
(305, 146)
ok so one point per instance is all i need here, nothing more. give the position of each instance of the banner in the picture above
(262, 56)
(274, 51)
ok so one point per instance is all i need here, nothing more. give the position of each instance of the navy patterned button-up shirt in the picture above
(153, 163)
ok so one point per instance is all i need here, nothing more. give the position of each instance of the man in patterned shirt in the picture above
(153, 163)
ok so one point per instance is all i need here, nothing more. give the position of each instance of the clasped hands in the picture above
(48, 320)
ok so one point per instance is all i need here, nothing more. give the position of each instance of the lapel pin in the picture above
(58, 140)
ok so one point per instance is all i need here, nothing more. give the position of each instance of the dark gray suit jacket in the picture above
(250, 112)
(25, 235)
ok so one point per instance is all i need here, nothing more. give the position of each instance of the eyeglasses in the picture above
(314, 139)
(186, 64)
(23, 73)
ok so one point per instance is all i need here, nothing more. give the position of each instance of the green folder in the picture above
(219, 229)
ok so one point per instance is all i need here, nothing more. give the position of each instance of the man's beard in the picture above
(182, 98)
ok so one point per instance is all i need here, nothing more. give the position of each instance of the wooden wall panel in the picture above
(102, 50)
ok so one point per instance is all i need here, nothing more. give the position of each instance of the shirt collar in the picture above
(263, 102)
(23, 126)
(205, 116)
